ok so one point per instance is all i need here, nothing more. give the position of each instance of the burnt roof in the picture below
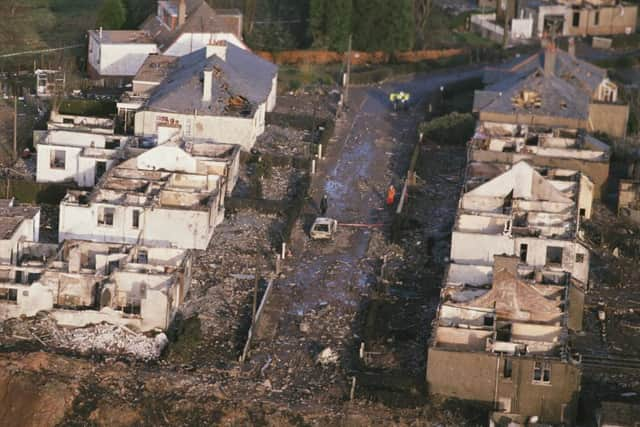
(242, 78)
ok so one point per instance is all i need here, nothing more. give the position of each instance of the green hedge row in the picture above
(33, 192)
(454, 128)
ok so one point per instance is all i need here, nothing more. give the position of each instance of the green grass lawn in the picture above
(37, 24)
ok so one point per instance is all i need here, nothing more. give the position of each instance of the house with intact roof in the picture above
(177, 28)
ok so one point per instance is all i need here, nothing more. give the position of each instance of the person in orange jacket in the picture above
(391, 195)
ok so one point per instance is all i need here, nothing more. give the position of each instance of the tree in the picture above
(137, 11)
(318, 23)
(339, 24)
(383, 25)
(421, 12)
(401, 28)
(112, 15)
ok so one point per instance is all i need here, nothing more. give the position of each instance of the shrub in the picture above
(454, 128)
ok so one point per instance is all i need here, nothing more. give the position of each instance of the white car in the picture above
(323, 228)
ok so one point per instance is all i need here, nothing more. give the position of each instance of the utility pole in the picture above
(505, 34)
(347, 76)
(15, 126)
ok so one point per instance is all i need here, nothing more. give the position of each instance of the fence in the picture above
(324, 57)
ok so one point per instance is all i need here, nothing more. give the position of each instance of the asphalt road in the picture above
(326, 282)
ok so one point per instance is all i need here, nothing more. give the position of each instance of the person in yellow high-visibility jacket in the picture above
(394, 98)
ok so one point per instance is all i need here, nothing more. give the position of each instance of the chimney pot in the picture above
(182, 13)
(207, 85)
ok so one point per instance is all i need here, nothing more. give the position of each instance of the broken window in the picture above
(135, 219)
(132, 306)
(143, 257)
(583, 212)
(9, 295)
(113, 266)
(57, 160)
(101, 168)
(542, 372)
(33, 277)
(507, 368)
(580, 258)
(554, 255)
(523, 252)
(106, 216)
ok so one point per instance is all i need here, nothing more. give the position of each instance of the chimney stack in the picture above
(572, 47)
(550, 60)
(182, 13)
(207, 85)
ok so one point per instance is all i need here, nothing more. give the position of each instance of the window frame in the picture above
(53, 159)
(541, 372)
(103, 215)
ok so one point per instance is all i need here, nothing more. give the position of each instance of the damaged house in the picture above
(81, 157)
(87, 283)
(177, 28)
(528, 20)
(505, 143)
(220, 92)
(169, 196)
(501, 337)
(522, 213)
(513, 293)
(552, 89)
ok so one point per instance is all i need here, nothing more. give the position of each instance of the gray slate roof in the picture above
(559, 98)
(201, 18)
(566, 93)
(242, 74)
(581, 73)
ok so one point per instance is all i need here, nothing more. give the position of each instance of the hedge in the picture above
(454, 128)
(33, 192)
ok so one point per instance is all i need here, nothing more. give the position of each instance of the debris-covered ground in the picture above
(221, 294)
(281, 141)
(320, 101)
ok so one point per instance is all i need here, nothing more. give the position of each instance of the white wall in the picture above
(77, 168)
(86, 174)
(223, 129)
(118, 59)
(44, 171)
(271, 101)
(31, 299)
(474, 248)
(185, 229)
(190, 42)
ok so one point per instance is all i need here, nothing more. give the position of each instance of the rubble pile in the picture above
(284, 141)
(322, 101)
(101, 339)
(223, 281)
(279, 185)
